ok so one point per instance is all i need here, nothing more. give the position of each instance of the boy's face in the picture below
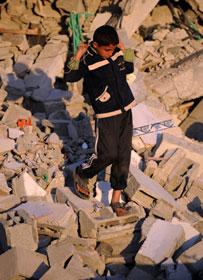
(104, 51)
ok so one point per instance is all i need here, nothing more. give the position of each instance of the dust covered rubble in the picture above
(47, 232)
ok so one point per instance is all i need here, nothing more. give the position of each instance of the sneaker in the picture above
(120, 209)
(81, 186)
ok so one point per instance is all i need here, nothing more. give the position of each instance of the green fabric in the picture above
(74, 23)
(129, 55)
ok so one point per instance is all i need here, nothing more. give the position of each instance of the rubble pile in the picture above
(46, 231)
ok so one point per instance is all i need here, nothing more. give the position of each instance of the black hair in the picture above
(105, 35)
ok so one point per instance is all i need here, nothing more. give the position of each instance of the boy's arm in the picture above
(129, 60)
(74, 71)
(128, 57)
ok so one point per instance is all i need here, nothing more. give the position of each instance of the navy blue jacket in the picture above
(104, 82)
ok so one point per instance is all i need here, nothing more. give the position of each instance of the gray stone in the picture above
(146, 186)
(6, 145)
(59, 273)
(18, 112)
(47, 213)
(60, 252)
(20, 235)
(170, 237)
(8, 201)
(71, 6)
(4, 189)
(77, 269)
(14, 133)
(21, 262)
(134, 13)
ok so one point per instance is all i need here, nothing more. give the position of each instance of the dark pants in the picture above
(113, 146)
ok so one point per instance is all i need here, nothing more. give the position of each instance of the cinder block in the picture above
(104, 223)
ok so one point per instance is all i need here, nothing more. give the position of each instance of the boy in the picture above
(104, 65)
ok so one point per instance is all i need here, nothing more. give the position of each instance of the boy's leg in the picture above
(120, 168)
(105, 153)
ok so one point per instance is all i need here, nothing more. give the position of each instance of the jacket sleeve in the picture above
(129, 60)
(73, 71)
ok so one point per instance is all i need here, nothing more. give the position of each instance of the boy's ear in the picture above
(95, 45)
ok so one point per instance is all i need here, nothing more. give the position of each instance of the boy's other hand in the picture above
(81, 50)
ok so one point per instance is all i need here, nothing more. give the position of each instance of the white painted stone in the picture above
(14, 133)
(100, 17)
(25, 186)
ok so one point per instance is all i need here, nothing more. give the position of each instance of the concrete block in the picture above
(65, 195)
(192, 149)
(193, 257)
(21, 262)
(60, 252)
(170, 237)
(51, 214)
(8, 201)
(77, 268)
(100, 17)
(147, 186)
(6, 145)
(25, 186)
(4, 189)
(59, 273)
(162, 209)
(104, 223)
(134, 14)
(161, 174)
(20, 235)
(91, 258)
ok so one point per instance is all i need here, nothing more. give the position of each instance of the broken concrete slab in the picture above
(147, 186)
(192, 149)
(17, 111)
(134, 13)
(170, 238)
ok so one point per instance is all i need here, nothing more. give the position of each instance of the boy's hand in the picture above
(121, 45)
(81, 50)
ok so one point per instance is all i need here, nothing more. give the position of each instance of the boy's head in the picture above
(105, 40)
